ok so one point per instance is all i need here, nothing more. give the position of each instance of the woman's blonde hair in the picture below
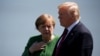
(42, 20)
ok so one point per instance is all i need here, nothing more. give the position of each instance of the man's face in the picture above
(64, 17)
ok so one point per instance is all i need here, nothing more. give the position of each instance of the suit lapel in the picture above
(72, 34)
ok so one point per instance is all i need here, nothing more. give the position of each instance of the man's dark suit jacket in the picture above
(79, 42)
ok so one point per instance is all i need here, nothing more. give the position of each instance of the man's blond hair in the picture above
(73, 9)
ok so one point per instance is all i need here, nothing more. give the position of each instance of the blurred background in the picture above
(17, 18)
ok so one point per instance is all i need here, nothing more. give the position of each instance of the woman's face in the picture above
(47, 28)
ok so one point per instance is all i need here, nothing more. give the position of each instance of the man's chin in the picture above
(62, 25)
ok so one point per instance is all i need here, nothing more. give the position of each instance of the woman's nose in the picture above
(46, 28)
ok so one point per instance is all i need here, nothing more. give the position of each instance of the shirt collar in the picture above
(70, 27)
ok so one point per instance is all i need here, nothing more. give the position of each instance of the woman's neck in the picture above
(48, 39)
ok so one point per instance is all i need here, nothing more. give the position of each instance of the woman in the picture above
(43, 44)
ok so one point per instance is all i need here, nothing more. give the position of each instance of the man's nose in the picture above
(59, 17)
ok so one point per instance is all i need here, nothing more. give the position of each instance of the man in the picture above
(78, 40)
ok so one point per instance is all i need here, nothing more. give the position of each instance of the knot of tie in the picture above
(64, 33)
